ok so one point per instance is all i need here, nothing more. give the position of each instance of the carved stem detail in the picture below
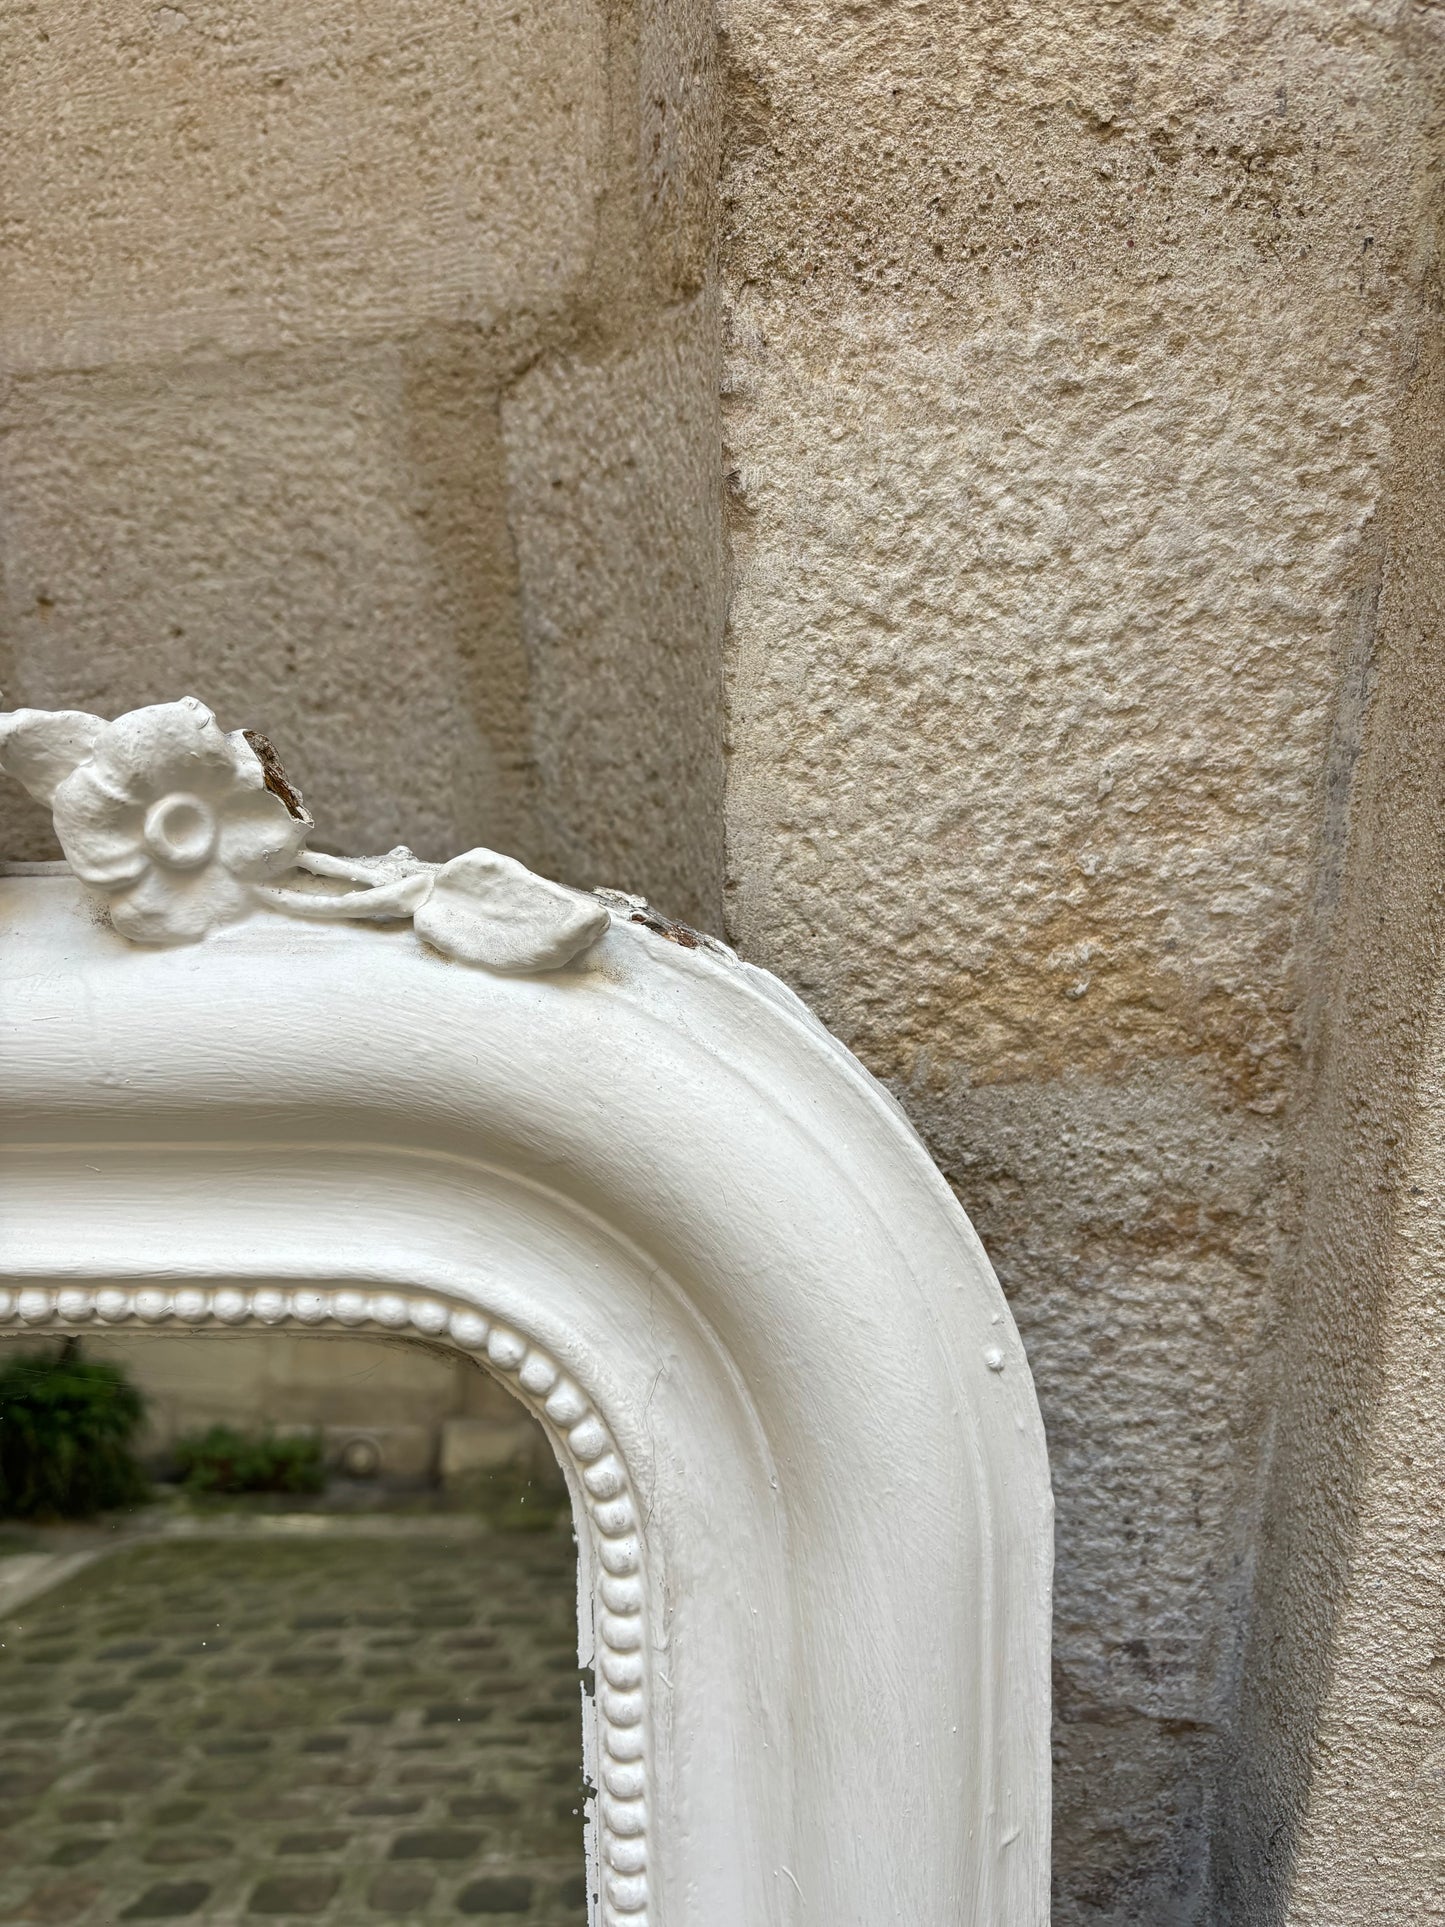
(181, 827)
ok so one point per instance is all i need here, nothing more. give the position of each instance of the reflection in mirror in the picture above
(289, 1633)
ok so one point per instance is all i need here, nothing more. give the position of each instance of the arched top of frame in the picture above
(653, 1165)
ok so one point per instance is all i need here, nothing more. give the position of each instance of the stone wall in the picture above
(1334, 1776)
(362, 375)
(1066, 351)
(359, 376)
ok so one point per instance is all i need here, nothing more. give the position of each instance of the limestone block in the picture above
(1370, 1845)
(321, 540)
(615, 486)
(1332, 1783)
(678, 139)
(239, 177)
(1065, 348)
(265, 278)
(1035, 645)
(1032, 681)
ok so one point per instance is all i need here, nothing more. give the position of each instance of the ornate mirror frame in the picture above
(678, 1219)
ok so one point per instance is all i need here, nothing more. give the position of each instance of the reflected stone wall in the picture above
(396, 1411)
(429, 1416)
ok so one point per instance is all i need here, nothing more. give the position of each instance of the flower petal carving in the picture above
(101, 833)
(40, 747)
(174, 746)
(183, 827)
(173, 818)
(166, 906)
(488, 909)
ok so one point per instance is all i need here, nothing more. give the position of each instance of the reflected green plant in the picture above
(67, 1425)
(222, 1461)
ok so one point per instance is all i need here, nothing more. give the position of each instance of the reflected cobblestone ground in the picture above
(343, 1730)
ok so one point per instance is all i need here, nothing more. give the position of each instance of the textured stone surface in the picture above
(269, 283)
(1370, 1845)
(1069, 385)
(1333, 1780)
(1065, 348)
(235, 179)
(616, 515)
(216, 1782)
(316, 544)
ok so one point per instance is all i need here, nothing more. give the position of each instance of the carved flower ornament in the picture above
(182, 826)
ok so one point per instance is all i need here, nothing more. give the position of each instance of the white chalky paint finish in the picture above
(244, 847)
(693, 1233)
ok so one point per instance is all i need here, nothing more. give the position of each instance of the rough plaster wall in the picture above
(1335, 1780)
(279, 288)
(1065, 343)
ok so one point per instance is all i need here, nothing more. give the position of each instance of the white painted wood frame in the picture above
(680, 1221)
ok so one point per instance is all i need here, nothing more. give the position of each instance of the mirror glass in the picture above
(289, 1634)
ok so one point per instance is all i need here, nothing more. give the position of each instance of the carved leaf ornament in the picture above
(181, 826)
(678, 1218)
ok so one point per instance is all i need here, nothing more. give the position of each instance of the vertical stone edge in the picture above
(1290, 1848)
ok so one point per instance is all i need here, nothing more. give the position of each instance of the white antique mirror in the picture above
(247, 1086)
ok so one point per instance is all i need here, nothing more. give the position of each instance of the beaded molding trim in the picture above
(621, 1803)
